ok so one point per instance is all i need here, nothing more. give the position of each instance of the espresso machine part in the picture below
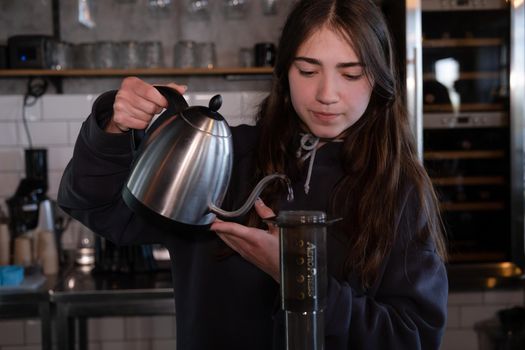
(303, 277)
(36, 165)
(183, 166)
(24, 204)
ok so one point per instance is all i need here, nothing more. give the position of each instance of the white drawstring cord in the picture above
(309, 144)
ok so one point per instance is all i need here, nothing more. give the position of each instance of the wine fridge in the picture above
(465, 90)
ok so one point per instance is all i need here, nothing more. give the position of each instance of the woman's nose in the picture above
(327, 91)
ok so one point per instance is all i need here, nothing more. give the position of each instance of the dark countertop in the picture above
(76, 283)
(80, 285)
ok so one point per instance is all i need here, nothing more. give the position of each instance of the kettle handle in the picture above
(176, 104)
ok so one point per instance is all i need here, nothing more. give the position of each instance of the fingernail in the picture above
(258, 201)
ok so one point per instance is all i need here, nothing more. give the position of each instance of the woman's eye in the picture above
(352, 76)
(306, 73)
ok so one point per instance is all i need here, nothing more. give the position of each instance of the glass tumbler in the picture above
(152, 54)
(246, 57)
(85, 55)
(235, 9)
(60, 55)
(85, 252)
(198, 9)
(106, 56)
(269, 7)
(129, 54)
(184, 54)
(205, 55)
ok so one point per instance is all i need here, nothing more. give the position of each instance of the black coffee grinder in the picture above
(23, 206)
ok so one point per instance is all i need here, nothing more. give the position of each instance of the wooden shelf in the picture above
(439, 155)
(462, 42)
(464, 107)
(139, 72)
(470, 180)
(472, 206)
(467, 76)
(476, 256)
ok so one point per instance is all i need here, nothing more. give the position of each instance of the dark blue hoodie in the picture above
(225, 302)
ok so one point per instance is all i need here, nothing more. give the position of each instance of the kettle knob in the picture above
(215, 103)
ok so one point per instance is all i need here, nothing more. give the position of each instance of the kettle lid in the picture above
(207, 119)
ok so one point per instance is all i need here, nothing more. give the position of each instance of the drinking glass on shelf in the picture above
(184, 54)
(130, 54)
(235, 9)
(269, 7)
(152, 54)
(205, 55)
(60, 55)
(246, 57)
(198, 9)
(159, 8)
(85, 55)
(106, 56)
(159, 3)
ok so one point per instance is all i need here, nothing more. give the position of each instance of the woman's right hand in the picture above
(136, 103)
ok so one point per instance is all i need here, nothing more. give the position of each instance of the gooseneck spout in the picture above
(252, 197)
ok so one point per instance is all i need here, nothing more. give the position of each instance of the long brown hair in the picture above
(379, 158)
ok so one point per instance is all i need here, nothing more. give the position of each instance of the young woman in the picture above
(334, 87)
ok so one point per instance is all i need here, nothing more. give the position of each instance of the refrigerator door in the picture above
(414, 70)
(517, 121)
(472, 132)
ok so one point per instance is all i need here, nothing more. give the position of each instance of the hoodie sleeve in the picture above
(91, 186)
(406, 309)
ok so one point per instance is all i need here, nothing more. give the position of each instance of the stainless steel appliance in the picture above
(31, 191)
(465, 91)
(183, 166)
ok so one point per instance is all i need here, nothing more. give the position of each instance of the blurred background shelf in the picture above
(137, 71)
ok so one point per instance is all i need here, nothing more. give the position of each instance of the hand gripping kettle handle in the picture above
(176, 104)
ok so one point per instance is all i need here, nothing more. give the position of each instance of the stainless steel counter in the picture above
(30, 303)
(81, 295)
(74, 296)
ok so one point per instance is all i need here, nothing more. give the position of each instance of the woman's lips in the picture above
(325, 116)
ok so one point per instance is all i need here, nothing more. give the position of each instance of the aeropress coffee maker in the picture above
(303, 276)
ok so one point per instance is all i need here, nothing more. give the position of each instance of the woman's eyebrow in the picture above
(318, 63)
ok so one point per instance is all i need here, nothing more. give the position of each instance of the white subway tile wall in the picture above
(33, 334)
(11, 333)
(158, 332)
(54, 122)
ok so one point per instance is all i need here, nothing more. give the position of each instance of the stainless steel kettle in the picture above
(183, 166)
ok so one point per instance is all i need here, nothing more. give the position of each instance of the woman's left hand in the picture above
(260, 247)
